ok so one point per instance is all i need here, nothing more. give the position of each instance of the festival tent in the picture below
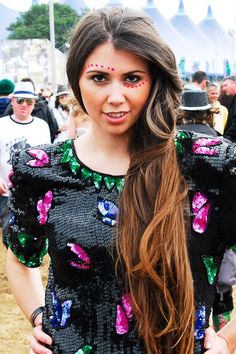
(224, 46)
(203, 46)
(114, 3)
(78, 5)
(183, 50)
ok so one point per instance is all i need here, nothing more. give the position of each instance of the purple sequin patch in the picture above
(43, 207)
(83, 262)
(123, 314)
(205, 146)
(201, 209)
(41, 158)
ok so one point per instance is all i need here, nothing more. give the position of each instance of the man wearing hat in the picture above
(18, 131)
(6, 88)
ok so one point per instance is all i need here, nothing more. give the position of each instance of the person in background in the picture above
(130, 211)
(62, 112)
(229, 88)
(40, 110)
(18, 131)
(199, 81)
(196, 113)
(221, 112)
(6, 88)
(79, 121)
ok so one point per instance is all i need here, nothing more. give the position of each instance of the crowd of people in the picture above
(129, 184)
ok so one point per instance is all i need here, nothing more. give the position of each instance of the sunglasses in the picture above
(29, 101)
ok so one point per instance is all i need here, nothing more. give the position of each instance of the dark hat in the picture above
(195, 100)
(6, 87)
(62, 91)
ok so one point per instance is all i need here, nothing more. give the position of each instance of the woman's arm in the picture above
(26, 285)
(222, 342)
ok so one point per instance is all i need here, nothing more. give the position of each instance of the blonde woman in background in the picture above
(79, 122)
(221, 114)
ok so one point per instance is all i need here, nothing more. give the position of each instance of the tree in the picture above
(35, 24)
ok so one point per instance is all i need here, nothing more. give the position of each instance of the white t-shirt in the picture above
(16, 136)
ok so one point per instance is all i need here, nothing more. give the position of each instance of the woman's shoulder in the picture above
(197, 147)
(42, 161)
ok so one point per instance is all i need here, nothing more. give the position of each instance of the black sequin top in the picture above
(61, 206)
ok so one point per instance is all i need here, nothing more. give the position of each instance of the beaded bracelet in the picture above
(35, 314)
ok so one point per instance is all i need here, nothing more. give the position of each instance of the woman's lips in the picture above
(116, 117)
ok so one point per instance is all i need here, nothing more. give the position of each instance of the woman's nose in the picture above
(116, 95)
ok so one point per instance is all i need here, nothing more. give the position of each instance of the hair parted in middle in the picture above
(152, 246)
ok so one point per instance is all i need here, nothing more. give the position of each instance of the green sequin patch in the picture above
(211, 268)
(96, 178)
(233, 248)
(26, 242)
(181, 136)
(85, 350)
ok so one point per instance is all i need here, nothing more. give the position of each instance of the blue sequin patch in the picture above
(62, 314)
(108, 211)
(200, 320)
(11, 219)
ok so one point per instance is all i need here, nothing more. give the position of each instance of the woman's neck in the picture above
(106, 154)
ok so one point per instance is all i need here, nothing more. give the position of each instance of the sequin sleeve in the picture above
(227, 214)
(26, 235)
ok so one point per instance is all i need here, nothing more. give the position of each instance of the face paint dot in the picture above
(96, 65)
(108, 68)
(102, 66)
(91, 64)
(112, 69)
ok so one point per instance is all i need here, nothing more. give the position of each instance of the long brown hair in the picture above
(151, 246)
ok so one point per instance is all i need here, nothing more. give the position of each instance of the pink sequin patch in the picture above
(84, 259)
(9, 178)
(205, 146)
(41, 158)
(127, 305)
(201, 210)
(43, 207)
(122, 323)
(123, 314)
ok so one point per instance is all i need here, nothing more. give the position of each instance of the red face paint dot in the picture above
(112, 69)
(108, 68)
(139, 84)
(91, 64)
(96, 65)
(102, 66)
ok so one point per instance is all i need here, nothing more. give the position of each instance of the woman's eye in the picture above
(132, 79)
(99, 78)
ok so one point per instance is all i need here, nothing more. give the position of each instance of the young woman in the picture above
(221, 112)
(115, 209)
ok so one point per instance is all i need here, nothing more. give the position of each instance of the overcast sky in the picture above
(224, 11)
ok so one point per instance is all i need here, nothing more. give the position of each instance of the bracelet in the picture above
(223, 337)
(35, 314)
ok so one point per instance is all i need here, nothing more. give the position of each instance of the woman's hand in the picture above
(214, 343)
(38, 342)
